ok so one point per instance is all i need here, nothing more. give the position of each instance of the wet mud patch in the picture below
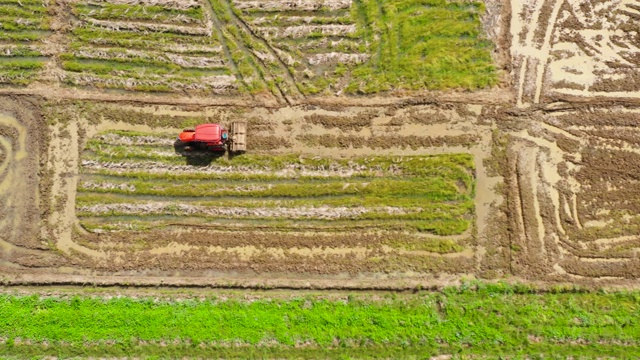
(22, 141)
(573, 193)
(388, 141)
(345, 123)
(575, 49)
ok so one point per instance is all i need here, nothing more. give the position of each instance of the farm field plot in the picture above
(23, 27)
(392, 143)
(163, 47)
(273, 51)
(371, 46)
(587, 218)
(422, 178)
(321, 196)
(132, 186)
(567, 49)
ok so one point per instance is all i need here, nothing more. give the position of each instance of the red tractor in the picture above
(213, 138)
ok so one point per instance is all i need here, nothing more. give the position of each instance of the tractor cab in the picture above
(212, 136)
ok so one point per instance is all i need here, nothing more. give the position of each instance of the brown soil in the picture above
(19, 185)
(356, 123)
(388, 141)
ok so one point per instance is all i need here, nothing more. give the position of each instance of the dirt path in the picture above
(63, 154)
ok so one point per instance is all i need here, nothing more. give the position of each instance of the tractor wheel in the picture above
(179, 146)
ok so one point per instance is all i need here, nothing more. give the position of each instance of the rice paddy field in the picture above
(136, 191)
(23, 53)
(433, 194)
(245, 48)
(145, 48)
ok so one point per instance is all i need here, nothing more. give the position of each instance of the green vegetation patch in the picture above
(376, 46)
(423, 44)
(306, 43)
(370, 47)
(23, 25)
(483, 319)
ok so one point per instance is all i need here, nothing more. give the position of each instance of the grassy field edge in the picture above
(556, 351)
(475, 318)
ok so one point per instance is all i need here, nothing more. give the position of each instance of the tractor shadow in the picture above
(195, 156)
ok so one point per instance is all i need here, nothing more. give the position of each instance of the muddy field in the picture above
(568, 50)
(534, 178)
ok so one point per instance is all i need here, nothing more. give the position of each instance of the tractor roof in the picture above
(208, 132)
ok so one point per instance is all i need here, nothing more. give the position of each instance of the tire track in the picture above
(524, 50)
(243, 26)
(64, 152)
(216, 26)
(544, 51)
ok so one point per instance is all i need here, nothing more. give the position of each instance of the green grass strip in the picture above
(491, 320)
(22, 36)
(89, 198)
(456, 165)
(226, 176)
(27, 11)
(22, 51)
(17, 77)
(136, 69)
(21, 64)
(148, 40)
(17, 24)
(21, 3)
(429, 189)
